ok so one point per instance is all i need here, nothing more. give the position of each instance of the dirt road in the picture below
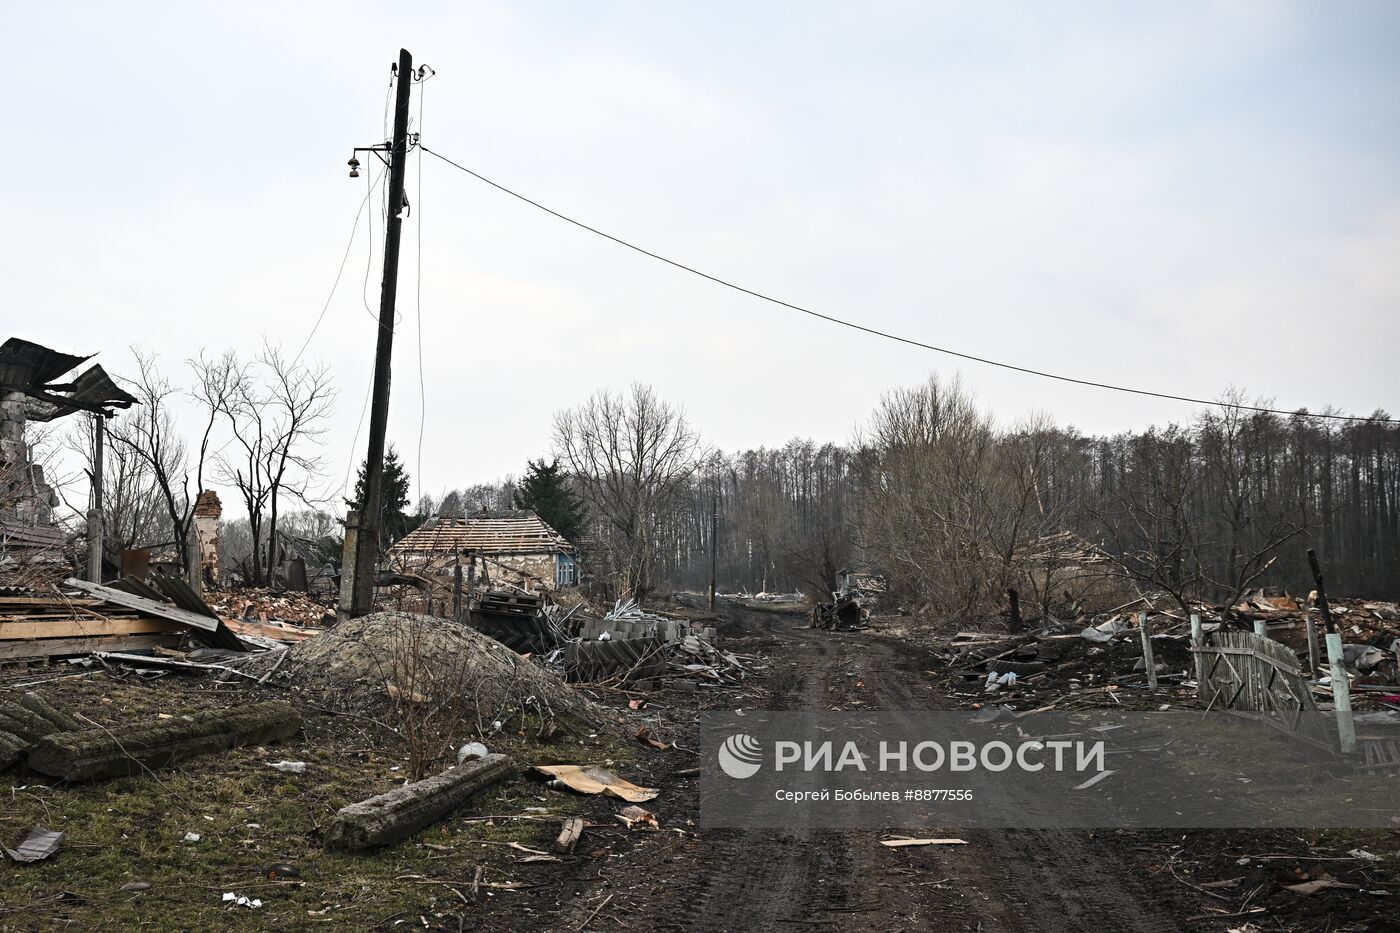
(838, 881)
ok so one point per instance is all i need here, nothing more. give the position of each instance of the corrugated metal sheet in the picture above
(24, 364)
(517, 532)
(92, 388)
(211, 631)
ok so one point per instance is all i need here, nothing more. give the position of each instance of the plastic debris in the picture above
(288, 767)
(471, 751)
(241, 900)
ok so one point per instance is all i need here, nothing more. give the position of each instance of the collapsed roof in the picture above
(517, 531)
(32, 369)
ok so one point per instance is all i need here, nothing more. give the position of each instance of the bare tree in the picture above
(631, 455)
(133, 505)
(149, 434)
(276, 409)
(930, 500)
(301, 399)
(1249, 525)
(1150, 519)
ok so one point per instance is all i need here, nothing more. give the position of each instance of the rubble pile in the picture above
(629, 644)
(263, 605)
(1361, 621)
(1097, 660)
(366, 665)
(696, 659)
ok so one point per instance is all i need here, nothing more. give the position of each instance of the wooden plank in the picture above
(148, 606)
(82, 628)
(55, 647)
(43, 602)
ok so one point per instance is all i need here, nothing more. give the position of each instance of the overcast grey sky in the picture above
(1178, 196)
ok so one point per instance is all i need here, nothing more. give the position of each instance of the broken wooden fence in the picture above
(1257, 677)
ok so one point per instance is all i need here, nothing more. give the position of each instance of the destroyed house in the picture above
(516, 547)
(30, 391)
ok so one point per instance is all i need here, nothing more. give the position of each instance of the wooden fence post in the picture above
(1198, 643)
(1149, 662)
(1312, 645)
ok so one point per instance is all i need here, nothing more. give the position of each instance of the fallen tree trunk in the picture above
(11, 748)
(62, 720)
(133, 749)
(404, 810)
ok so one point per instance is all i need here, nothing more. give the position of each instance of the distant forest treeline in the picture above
(953, 508)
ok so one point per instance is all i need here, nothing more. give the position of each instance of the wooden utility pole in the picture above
(457, 585)
(94, 518)
(714, 546)
(366, 558)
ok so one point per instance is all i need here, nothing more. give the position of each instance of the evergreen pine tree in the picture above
(544, 490)
(394, 522)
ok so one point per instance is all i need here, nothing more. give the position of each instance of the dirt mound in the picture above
(380, 663)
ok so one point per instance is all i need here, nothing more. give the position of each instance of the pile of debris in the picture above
(1068, 668)
(1361, 621)
(81, 617)
(696, 659)
(263, 605)
(845, 613)
(515, 618)
(1098, 660)
(630, 645)
(369, 665)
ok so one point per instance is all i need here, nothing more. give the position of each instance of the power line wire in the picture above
(885, 334)
(354, 229)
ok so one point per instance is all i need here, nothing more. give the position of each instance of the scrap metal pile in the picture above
(628, 644)
(625, 644)
(845, 613)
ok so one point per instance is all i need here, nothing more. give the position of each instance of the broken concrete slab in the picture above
(27, 724)
(62, 720)
(405, 810)
(132, 749)
(11, 749)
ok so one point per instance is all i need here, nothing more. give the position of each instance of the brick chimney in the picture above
(207, 510)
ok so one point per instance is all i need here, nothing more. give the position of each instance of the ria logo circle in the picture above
(740, 756)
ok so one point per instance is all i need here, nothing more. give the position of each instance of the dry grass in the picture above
(251, 816)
